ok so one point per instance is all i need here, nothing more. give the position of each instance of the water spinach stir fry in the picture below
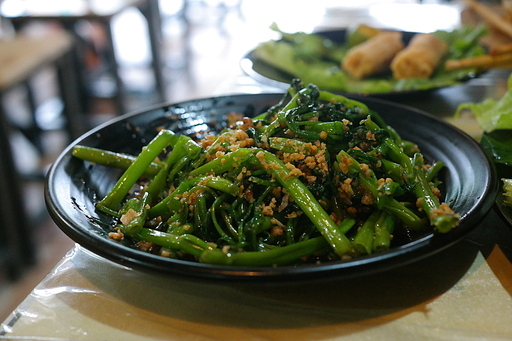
(318, 177)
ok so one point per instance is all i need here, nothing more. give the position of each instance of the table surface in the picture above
(461, 293)
(21, 56)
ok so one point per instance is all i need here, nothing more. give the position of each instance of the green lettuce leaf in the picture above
(284, 56)
(492, 114)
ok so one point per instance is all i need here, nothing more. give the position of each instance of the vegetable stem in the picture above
(307, 202)
(149, 153)
(277, 256)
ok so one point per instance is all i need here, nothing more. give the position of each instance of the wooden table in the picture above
(22, 56)
(69, 13)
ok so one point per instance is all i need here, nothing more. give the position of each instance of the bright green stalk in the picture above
(363, 240)
(223, 185)
(366, 178)
(434, 170)
(123, 185)
(172, 203)
(267, 131)
(290, 145)
(185, 242)
(382, 199)
(307, 202)
(111, 159)
(213, 213)
(441, 217)
(349, 103)
(383, 231)
(183, 151)
(138, 209)
(283, 255)
(224, 163)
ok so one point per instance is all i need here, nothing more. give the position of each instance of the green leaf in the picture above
(492, 114)
(499, 145)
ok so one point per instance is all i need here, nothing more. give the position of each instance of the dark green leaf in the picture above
(499, 145)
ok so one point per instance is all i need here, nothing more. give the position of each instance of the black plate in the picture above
(73, 186)
(267, 74)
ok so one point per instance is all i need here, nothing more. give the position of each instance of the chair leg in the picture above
(77, 60)
(15, 220)
(33, 131)
(74, 112)
(151, 13)
(114, 67)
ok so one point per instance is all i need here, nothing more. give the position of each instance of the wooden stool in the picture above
(20, 59)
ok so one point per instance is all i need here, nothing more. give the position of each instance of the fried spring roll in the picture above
(420, 58)
(374, 55)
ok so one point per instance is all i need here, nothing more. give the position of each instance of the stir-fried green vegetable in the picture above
(317, 177)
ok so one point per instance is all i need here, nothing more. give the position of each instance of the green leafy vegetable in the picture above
(492, 114)
(495, 118)
(499, 145)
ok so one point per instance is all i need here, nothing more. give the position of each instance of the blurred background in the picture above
(67, 66)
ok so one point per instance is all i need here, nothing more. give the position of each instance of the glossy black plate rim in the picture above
(403, 255)
(249, 65)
